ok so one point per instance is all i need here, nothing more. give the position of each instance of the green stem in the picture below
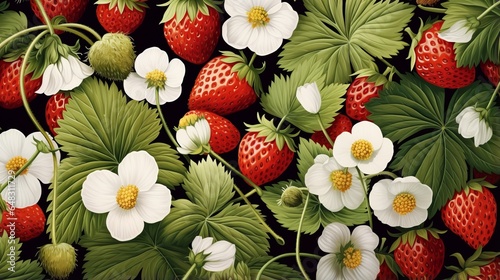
(297, 242)
(22, 73)
(388, 173)
(18, 172)
(252, 59)
(248, 194)
(83, 27)
(365, 188)
(188, 273)
(324, 131)
(488, 10)
(45, 16)
(282, 121)
(432, 10)
(490, 103)
(20, 33)
(219, 158)
(261, 270)
(163, 121)
(77, 33)
(390, 65)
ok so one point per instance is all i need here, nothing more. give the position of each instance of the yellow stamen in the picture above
(404, 203)
(15, 163)
(156, 78)
(341, 181)
(127, 197)
(352, 257)
(188, 120)
(362, 149)
(258, 16)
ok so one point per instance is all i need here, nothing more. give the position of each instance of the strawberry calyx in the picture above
(139, 5)
(471, 266)
(384, 256)
(411, 235)
(477, 185)
(179, 8)
(373, 76)
(415, 38)
(245, 70)
(266, 128)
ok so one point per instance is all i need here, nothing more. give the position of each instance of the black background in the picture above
(151, 34)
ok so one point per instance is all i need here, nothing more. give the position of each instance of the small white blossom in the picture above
(309, 97)
(218, 256)
(472, 125)
(193, 135)
(460, 32)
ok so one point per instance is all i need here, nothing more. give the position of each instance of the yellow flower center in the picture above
(352, 257)
(258, 16)
(127, 197)
(362, 149)
(404, 203)
(15, 163)
(341, 180)
(188, 120)
(156, 78)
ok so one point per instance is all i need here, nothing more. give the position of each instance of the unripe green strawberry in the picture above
(113, 56)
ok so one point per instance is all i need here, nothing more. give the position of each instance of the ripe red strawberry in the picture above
(264, 152)
(72, 10)
(10, 94)
(491, 71)
(219, 88)
(436, 63)
(340, 124)
(480, 266)
(490, 271)
(359, 92)
(54, 110)
(419, 253)
(386, 273)
(121, 16)
(471, 214)
(28, 222)
(192, 33)
(488, 177)
(224, 136)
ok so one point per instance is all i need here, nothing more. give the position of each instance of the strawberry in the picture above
(386, 273)
(367, 84)
(488, 177)
(10, 94)
(491, 71)
(389, 270)
(480, 266)
(121, 16)
(472, 213)
(192, 28)
(265, 152)
(54, 110)
(72, 10)
(435, 59)
(340, 124)
(224, 136)
(220, 88)
(419, 253)
(28, 222)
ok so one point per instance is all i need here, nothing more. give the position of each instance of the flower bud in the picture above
(113, 56)
(291, 197)
(59, 260)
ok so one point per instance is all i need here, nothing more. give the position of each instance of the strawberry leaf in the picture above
(12, 22)
(346, 36)
(480, 47)
(152, 254)
(11, 267)
(308, 150)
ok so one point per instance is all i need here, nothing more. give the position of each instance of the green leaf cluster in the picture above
(12, 22)
(431, 147)
(483, 46)
(281, 100)
(346, 35)
(99, 128)
(209, 213)
(20, 270)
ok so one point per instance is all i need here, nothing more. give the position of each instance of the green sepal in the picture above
(415, 38)
(245, 71)
(179, 8)
(266, 128)
(471, 266)
(411, 235)
(121, 4)
(373, 76)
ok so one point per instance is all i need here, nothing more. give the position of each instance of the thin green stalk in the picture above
(163, 121)
(488, 10)
(365, 188)
(45, 16)
(324, 131)
(261, 270)
(20, 33)
(297, 241)
(83, 27)
(77, 33)
(388, 173)
(490, 103)
(237, 172)
(252, 59)
(18, 172)
(248, 194)
(282, 121)
(390, 65)
(188, 273)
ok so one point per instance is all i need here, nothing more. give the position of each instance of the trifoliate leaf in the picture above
(281, 101)
(346, 35)
(99, 128)
(316, 215)
(13, 268)
(437, 154)
(273, 271)
(152, 254)
(482, 46)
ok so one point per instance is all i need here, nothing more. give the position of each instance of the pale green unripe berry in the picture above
(113, 56)
(58, 260)
(291, 197)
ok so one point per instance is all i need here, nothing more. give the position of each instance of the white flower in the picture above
(402, 202)
(335, 188)
(365, 147)
(309, 97)
(15, 150)
(131, 197)
(260, 25)
(460, 32)
(351, 257)
(155, 72)
(66, 74)
(472, 125)
(193, 135)
(218, 256)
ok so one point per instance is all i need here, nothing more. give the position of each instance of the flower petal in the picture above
(11, 144)
(153, 205)
(342, 150)
(175, 73)
(199, 244)
(368, 131)
(139, 169)
(25, 191)
(414, 218)
(151, 59)
(388, 216)
(367, 269)
(379, 159)
(135, 86)
(42, 166)
(364, 238)
(99, 191)
(380, 198)
(283, 22)
(309, 97)
(237, 8)
(124, 225)
(221, 256)
(265, 43)
(169, 94)
(332, 200)
(354, 196)
(238, 32)
(185, 141)
(329, 268)
(317, 179)
(333, 237)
